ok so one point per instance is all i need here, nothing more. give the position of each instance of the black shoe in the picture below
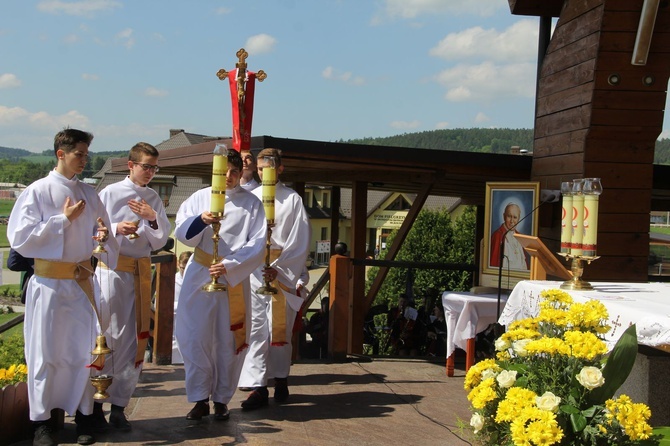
(118, 419)
(84, 435)
(44, 435)
(221, 412)
(94, 423)
(281, 390)
(246, 389)
(201, 409)
(256, 399)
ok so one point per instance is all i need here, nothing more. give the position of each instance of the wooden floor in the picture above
(359, 402)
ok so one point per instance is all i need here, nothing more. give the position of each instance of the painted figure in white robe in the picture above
(273, 316)
(140, 225)
(213, 327)
(58, 221)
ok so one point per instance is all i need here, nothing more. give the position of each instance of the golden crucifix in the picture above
(241, 79)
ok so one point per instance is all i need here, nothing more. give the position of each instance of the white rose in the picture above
(591, 377)
(548, 401)
(477, 422)
(502, 344)
(519, 347)
(506, 378)
(489, 373)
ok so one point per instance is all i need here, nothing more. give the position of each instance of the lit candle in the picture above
(577, 218)
(219, 171)
(566, 219)
(592, 190)
(269, 188)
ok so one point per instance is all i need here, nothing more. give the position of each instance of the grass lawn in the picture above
(16, 330)
(659, 230)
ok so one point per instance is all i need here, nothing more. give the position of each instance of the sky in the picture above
(130, 71)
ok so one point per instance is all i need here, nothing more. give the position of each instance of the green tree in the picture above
(433, 238)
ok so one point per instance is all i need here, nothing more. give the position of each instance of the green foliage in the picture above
(433, 238)
(11, 351)
(464, 140)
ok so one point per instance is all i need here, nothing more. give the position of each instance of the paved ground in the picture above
(360, 402)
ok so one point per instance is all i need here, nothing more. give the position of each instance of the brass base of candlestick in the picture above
(577, 268)
(267, 289)
(101, 384)
(214, 285)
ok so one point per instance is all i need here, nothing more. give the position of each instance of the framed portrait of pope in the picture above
(510, 208)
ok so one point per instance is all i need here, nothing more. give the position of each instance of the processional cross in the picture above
(242, 86)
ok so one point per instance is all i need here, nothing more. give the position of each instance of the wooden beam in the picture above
(397, 243)
(359, 205)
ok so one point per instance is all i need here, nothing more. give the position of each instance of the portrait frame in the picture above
(525, 195)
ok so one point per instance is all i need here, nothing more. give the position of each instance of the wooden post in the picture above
(166, 268)
(338, 316)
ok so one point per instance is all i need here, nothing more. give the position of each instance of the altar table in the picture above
(467, 314)
(645, 304)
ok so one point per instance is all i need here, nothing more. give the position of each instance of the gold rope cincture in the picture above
(80, 272)
(278, 336)
(236, 305)
(141, 270)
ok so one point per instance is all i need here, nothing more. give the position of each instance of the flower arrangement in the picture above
(553, 383)
(12, 375)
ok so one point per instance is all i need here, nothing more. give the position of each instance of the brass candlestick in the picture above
(214, 285)
(267, 288)
(577, 268)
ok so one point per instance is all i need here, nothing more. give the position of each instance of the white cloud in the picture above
(82, 8)
(223, 10)
(260, 44)
(405, 125)
(347, 77)
(158, 37)
(90, 77)
(71, 39)
(488, 82)
(22, 118)
(9, 80)
(126, 38)
(516, 43)
(442, 125)
(155, 92)
(481, 118)
(411, 9)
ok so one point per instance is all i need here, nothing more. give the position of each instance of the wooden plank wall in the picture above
(587, 127)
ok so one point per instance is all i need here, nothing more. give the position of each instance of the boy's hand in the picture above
(72, 211)
(142, 209)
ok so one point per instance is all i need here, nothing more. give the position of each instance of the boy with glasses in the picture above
(140, 225)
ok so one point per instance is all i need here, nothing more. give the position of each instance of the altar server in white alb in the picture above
(213, 326)
(273, 316)
(58, 221)
(140, 225)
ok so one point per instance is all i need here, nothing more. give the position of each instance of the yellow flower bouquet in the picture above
(553, 381)
(12, 375)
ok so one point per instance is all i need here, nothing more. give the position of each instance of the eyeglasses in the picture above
(146, 167)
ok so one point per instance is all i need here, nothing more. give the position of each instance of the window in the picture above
(324, 233)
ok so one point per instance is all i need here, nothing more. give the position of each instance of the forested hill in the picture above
(464, 140)
(13, 154)
(481, 140)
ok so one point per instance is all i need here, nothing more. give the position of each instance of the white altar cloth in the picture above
(644, 304)
(467, 314)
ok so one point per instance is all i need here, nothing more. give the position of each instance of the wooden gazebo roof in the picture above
(456, 174)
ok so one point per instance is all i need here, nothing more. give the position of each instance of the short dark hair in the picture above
(340, 248)
(142, 148)
(68, 138)
(275, 153)
(235, 159)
